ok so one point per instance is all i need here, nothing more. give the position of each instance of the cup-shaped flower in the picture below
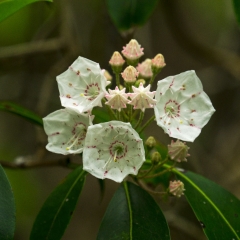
(178, 151)
(82, 86)
(117, 99)
(145, 68)
(142, 98)
(176, 188)
(130, 74)
(132, 50)
(66, 130)
(112, 150)
(182, 107)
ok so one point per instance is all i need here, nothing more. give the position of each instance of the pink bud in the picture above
(176, 188)
(132, 50)
(130, 74)
(116, 59)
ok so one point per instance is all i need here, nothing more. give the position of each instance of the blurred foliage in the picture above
(236, 4)
(8, 7)
(127, 14)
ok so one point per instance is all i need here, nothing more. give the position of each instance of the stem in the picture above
(139, 120)
(148, 171)
(152, 79)
(160, 173)
(149, 190)
(117, 80)
(146, 124)
(39, 163)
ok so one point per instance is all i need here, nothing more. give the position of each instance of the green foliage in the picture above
(133, 214)
(57, 211)
(236, 5)
(7, 7)
(21, 111)
(216, 209)
(127, 14)
(7, 208)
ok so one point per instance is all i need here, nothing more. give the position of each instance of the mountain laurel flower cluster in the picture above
(110, 144)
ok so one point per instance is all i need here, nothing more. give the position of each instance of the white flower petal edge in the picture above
(66, 130)
(82, 86)
(113, 150)
(182, 108)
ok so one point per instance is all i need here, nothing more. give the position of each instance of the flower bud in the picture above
(116, 62)
(132, 52)
(158, 63)
(130, 74)
(156, 158)
(145, 68)
(107, 75)
(151, 142)
(176, 188)
(178, 151)
(140, 81)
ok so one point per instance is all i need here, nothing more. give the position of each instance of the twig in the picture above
(65, 162)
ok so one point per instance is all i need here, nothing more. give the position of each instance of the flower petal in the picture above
(66, 131)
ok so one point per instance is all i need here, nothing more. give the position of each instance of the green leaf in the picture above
(133, 214)
(7, 208)
(236, 5)
(217, 210)
(8, 7)
(21, 111)
(57, 211)
(126, 14)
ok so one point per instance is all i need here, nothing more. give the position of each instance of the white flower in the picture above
(113, 150)
(66, 130)
(82, 86)
(142, 97)
(117, 99)
(182, 107)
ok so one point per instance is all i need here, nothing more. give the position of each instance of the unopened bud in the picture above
(178, 151)
(116, 62)
(156, 158)
(176, 188)
(139, 81)
(151, 142)
(130, 74)
(132, 52)
(107, 75)
(158, 63)
(145, 68)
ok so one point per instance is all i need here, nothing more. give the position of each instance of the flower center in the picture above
(172, 109)
(79, 134)
(91, 91)
(117, 150)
